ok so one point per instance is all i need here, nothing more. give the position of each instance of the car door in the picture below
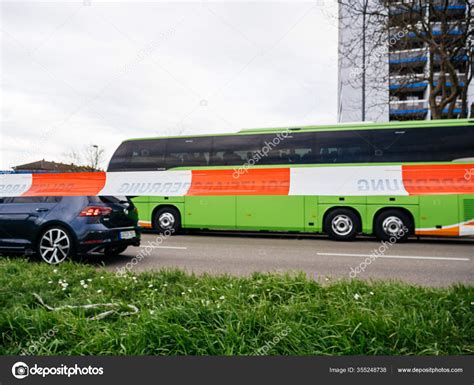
(20, 218)
(3, 234)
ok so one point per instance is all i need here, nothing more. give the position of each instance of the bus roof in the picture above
(334, 127)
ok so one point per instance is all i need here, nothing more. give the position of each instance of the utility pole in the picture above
(364, 30)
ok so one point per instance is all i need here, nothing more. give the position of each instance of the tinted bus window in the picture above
(439, 144)
(289, 148)
(343, 147)
(235, 150)
(139, 155)
(182, 152)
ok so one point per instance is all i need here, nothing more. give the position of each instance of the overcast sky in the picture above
(81, 73)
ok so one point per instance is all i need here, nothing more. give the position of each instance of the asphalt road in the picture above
(427, 262)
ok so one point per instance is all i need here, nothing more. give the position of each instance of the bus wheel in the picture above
(342, 225)
(167, 219)
(393, 225)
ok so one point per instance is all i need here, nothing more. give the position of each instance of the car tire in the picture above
(167, 219)
(342, 224)
(113, 251)
(55, 245)
(393, 223)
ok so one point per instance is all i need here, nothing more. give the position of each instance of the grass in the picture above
(182, 314)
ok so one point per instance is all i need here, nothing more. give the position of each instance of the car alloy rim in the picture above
(54, 246)
(342, 225)
(392, 225)
(166, 220)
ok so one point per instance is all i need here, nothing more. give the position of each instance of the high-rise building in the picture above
(386, 70)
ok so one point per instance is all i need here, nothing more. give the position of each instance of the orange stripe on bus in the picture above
(438, 179)
(448, 232)
(67, 184)
(270, 181)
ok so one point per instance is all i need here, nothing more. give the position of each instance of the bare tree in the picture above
(91, 156)
(94, 156)
(428, 30)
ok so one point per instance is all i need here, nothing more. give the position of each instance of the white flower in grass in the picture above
(89, 280)
(50, 282)
(371, 293)
(101, 277)
(213, 289)
(152, 312)
(85, 286)
(99, 291)
(221, 297)
(150, 285)
(357, 296)
(183, 293)
(165, 285)
(190, 290)
(55, 271)
(82, 282)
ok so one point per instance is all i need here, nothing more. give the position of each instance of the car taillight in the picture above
(95, 211)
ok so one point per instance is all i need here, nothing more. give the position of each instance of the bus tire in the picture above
(167, 219)
(342, 224)
(393, 225)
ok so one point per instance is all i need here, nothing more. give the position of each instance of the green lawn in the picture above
(202, 315)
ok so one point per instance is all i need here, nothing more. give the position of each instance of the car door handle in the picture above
(41, 210)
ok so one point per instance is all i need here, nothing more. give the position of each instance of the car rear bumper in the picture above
(98, 240)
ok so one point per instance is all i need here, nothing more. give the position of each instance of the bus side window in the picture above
(343, 147)
(188, 152)
(235, 150)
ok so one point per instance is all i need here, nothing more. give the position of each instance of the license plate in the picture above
(128, 234)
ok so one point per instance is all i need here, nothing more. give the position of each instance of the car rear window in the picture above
(108, 199)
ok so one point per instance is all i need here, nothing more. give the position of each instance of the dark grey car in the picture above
(56, 228)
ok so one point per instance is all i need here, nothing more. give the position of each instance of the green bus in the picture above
(387, 179)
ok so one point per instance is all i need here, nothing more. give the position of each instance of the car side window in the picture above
(24, 200)
(52, 199)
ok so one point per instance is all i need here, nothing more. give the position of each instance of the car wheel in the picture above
(393, 224)
(167, 219)
(342, 225)
(113, 251)
(55, 245)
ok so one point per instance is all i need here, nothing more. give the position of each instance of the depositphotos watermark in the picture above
(262, 153)
(35, 345)
(378, 252)
(469, 174)
(269, 345)
(144, 252)
(21, 370)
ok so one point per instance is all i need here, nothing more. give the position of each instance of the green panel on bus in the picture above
(270, 213)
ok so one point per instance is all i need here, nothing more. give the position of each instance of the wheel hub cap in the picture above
(392, 225)
(166, 220)
(342, 225)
